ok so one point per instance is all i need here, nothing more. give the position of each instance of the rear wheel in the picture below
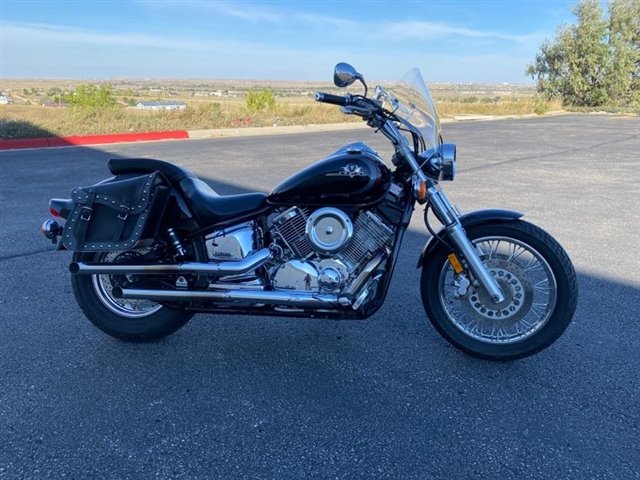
(538, 281)
(125, 319)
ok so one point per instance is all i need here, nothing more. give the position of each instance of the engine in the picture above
(325, 250)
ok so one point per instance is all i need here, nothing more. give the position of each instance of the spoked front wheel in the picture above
(536, 277)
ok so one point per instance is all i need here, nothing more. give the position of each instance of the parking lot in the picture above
(254, 397)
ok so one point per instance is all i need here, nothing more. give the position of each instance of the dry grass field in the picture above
(35, 109)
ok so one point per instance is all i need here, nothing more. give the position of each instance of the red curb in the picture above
(91, 139)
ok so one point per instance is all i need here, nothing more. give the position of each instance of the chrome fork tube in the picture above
(447, 214)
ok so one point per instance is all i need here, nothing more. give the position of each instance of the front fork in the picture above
(450, 218)
(446, 214)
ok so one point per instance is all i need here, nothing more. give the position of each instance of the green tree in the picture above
(261, 99)
(595, 61)
(624, 39)
(90, 95)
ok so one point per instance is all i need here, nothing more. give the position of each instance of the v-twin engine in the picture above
(325, 250)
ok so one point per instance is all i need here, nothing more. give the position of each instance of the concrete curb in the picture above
(275, 130)
(91, 139)
(224, 132)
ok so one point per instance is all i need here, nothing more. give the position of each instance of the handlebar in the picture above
(333, 99)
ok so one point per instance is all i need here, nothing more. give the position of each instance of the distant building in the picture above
(4, 100)
(162, 105)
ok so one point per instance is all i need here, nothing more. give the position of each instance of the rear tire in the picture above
(127, 321)
(526, 324)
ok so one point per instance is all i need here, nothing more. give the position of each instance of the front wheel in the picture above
(536, 276)
(128, 320)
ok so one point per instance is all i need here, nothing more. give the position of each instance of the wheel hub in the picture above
(104, 284)
(513, 283)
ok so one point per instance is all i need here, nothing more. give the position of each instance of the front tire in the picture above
(536, 276)
(127, 320)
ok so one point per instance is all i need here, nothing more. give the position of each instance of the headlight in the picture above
(448, 166)
(440, 164)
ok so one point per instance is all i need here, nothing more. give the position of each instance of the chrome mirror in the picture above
(344, 75)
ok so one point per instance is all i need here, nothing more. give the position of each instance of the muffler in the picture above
(247, 264)
(249, 297)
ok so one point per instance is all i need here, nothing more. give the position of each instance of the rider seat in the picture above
(207, 206)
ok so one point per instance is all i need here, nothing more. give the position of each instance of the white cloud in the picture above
(421, 30)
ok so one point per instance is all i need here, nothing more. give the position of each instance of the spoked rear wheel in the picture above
(538, 281)
(125, 319)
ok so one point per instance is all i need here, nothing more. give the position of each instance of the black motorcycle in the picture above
(154, 244)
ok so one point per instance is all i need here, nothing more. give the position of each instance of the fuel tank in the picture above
(353, 175)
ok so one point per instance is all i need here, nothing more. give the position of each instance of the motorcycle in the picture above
(155, 244)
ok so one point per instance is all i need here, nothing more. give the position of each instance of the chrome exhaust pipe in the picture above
(237, 296)
(247, 264)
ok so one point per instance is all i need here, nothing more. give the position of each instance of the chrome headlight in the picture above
(448, 159)
(440, 164)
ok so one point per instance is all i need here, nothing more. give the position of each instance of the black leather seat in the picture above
(204, 202)
(209, 207)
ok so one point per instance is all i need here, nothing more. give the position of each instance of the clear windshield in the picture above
(411, 101)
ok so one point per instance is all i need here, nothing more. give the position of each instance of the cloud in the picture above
(421, 30)
(19, 32)
(397, 31)
(245, 11)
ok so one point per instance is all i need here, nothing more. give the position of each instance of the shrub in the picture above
(259, 100)
(89, 95)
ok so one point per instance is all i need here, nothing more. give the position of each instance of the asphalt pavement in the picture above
(254, 397)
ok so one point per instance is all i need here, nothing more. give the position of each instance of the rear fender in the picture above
(470, 219)
(60, 207)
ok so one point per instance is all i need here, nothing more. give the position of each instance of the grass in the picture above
(30, 121)
(25, 121)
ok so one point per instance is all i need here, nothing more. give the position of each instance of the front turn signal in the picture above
(420, 191)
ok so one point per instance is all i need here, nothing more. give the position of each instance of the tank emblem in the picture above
(349, 170)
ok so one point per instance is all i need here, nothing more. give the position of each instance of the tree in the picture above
(594, 62)
(624, 40)
(89, 95)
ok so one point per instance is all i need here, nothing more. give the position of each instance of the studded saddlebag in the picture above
(116, 214)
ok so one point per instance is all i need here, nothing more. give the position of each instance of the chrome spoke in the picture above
(529, 286)
(130, 308)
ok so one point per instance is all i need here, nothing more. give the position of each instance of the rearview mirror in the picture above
(344, 75)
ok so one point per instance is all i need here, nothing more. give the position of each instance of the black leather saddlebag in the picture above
(116, 214)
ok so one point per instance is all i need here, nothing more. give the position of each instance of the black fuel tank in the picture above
(353, 175)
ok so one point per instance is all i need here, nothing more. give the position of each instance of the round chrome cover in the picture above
(329, 229)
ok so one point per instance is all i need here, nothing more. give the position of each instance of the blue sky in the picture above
(457, 41)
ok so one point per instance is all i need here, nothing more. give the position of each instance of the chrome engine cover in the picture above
(296, 275)
(333, 275)
(233, 243)
(329, 230)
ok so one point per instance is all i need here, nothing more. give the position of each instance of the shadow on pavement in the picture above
(292, 398)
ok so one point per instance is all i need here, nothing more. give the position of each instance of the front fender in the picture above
(469, 220)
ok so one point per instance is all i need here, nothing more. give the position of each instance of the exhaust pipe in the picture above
(247, 264)
(239, 296)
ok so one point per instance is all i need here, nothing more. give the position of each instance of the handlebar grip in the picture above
(333, 99)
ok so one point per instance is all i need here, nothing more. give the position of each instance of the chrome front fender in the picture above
(469, 220)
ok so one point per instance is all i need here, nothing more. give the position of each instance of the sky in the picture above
(452, 41)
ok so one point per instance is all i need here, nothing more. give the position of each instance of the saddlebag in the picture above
(116, 214)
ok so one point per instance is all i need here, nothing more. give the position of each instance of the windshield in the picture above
(411, 101)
